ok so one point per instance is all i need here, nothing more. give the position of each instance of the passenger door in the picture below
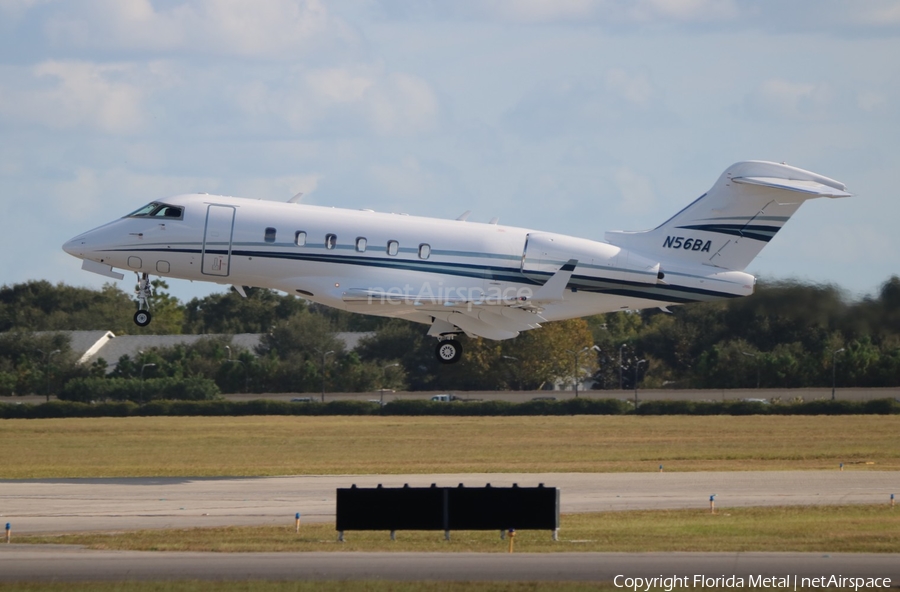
(217, 236)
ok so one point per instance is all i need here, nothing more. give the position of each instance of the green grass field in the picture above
(247, 446)
(833, 529)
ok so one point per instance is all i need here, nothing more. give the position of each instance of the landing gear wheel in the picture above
(449, 351)
(142, 318)
(142, 292)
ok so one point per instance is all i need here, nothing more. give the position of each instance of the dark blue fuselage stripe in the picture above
(655, 292)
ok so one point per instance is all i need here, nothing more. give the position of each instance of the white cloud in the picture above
(100, 195)
(636, 190)
(405, 179)
(574, 11)
(633, 88)
(280, 188)
(350, 100)
(232, 27)
(600, 104)
(70, 94)
(871, 101)
(90, 197)
(339, 86)
(875, 13)
(679, 11)
(785, 99)
(539, 10)
(859, 241)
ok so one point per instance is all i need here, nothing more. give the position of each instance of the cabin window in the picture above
(424, 251)
(361, 244)
(270, 235)
(300, 238)
(330, 241)
(393, 247)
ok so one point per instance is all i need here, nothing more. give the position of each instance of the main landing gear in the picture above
(448, 351)
(142, 294)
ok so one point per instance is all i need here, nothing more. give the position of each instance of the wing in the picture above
(492, 317)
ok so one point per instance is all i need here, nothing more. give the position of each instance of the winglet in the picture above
(553, 289)
(464, 216)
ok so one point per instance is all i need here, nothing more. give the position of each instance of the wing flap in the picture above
(478, 327)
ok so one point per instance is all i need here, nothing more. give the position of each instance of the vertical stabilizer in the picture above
(731, 223)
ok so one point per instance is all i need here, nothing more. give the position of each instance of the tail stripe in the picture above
(760, 233)
(769, 218)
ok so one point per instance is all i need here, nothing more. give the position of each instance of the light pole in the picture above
(756, 363)
(516, 374)
(324, 354)
(246, 372)
(575, 355)
(383, 379)
(47, 358)
(243, 365)
(620, 366)
(636, 366)
(834, 370)
(142, 379)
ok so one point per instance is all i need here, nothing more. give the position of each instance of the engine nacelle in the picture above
(546, 253)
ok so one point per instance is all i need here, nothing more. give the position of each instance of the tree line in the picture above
(788, 334)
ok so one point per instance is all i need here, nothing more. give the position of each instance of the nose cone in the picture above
(74, 247)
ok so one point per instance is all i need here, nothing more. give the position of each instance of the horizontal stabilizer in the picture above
(809, 187)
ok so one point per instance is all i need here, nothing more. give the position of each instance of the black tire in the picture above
(142, 318)
(448, 351)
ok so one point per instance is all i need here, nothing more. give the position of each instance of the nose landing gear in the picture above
(142, 293)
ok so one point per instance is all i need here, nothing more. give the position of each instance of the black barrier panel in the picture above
(390, 508)
(502, 508)
(448, 508)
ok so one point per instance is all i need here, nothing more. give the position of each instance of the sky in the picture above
(570, 116)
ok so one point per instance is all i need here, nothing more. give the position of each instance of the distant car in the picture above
(301, 400)
(763, 401)
(442, 398)
(543, 399)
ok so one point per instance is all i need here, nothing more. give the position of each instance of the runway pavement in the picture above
(22, 562)
(65, 505)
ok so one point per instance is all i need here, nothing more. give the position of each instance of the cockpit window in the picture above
(157, 210)
(167, 212)
(144, 211)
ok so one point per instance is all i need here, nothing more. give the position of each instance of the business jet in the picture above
(458, 277)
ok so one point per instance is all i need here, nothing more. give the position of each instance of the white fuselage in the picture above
(429, 263)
